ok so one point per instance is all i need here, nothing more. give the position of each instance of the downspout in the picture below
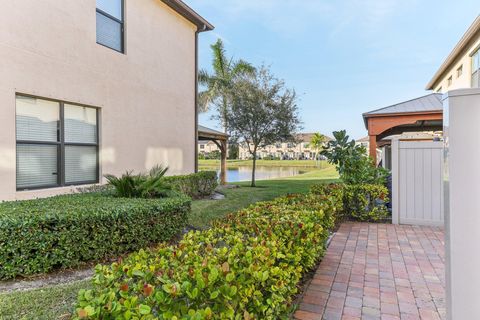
(196, 97)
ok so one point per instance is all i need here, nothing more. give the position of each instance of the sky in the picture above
(344, 57)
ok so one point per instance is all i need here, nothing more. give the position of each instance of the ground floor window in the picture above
(57, 143)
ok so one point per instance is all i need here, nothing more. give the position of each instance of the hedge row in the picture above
(40, 235)
(247, 266)
(364, 202)
(195, 185)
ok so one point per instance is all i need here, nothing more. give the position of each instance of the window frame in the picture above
(475, 56)
(121, 22)
(60, 143)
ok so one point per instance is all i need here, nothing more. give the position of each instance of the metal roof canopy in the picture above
(205, 133)
(420, 114)
(429, 103)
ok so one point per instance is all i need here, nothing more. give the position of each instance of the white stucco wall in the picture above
(48, 48)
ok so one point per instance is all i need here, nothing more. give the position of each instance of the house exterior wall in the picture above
(146, 96)
(465, 61)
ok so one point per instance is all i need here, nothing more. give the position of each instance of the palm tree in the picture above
(218, 84)
(317, 142)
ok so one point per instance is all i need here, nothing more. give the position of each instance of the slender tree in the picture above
(263, 112)
(219, 83)
(317, 143)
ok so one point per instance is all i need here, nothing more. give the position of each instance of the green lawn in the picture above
(268, 163)
(56, 302)
(203, 211)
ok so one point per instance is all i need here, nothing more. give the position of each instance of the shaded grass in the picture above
(56, 302)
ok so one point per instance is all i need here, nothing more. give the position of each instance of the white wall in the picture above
(462, 205)
(48, 49)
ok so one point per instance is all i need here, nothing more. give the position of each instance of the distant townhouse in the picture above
(207, 147)
(300, 149)
(95, 87)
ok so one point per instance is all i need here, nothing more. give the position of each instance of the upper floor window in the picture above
(57, 143)
(475, 69)
(110, 24)
(459, 71)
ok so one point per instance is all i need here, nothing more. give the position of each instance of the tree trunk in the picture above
(253, 169)
(224, 115)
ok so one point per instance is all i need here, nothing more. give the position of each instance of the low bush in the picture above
(247, 266)
(195, 185)
(364, 202)
(37, 236)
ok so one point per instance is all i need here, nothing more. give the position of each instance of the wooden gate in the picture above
(417, 183)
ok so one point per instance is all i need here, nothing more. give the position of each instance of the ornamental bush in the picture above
(247, 266)
(37, 236)
(195, 185)
(364, 202)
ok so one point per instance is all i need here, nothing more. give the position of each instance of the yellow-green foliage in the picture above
(364, 202)
(247, 266)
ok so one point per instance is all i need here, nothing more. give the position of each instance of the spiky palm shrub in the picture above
(151, 185)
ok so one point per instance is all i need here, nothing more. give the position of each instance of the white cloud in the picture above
(289, 17)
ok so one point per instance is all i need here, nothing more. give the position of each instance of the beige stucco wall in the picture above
(465, 80)
(48, 48)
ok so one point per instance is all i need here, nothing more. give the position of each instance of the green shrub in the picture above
(247, 266)
(352, 162)
(195, 185)
(364, 202)
(333, 193)
(40, 235)
(151, 185)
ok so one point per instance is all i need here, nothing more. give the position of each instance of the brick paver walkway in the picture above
(379, 271)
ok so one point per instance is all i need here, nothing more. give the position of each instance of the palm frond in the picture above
(241, 67)
(219, 58)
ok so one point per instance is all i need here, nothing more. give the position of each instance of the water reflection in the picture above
(262, 173)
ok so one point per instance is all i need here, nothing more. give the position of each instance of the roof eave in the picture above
(188, 13)
(459, 47)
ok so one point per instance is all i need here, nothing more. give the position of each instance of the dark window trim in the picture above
(122, 24)
(61, 145)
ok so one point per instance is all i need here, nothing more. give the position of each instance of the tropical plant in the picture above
(317, 142)
(150, 185)
(352, 162)
(263, 112)
(226, 71)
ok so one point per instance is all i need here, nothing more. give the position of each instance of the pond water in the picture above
(262, 173)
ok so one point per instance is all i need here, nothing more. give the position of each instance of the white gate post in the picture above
(395, 181)
(461, 118)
